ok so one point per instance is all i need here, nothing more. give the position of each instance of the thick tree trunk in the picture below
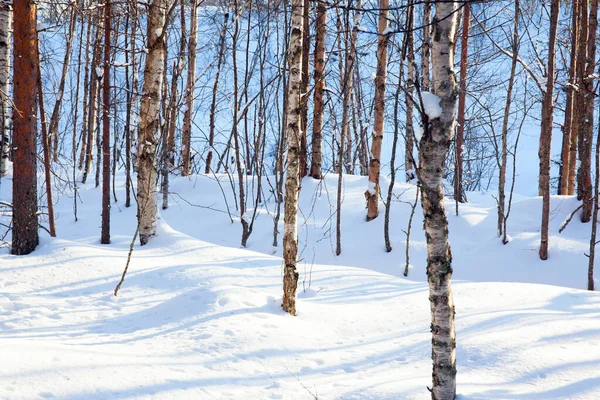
(372, 193)
(433, 150)
(24, 218)
(319, 101)
(462, 97)
(5, 26)
(186, 134)
(292, 181)
(586, 125)
(150, 119)
(565, 176)
(105, 234)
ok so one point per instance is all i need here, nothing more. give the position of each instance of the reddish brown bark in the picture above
(24, 218)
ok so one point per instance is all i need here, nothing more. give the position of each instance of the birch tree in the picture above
(438, 129)
(292, 180)
(5, 23)
(150, 119)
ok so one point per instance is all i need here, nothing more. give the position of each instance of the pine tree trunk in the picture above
(150, 120)
(24, 218)
(5, 27)
(462, 97)
(319, 103)
(105, 234)
(294, 135)
(372, 193)
(186, 134)
(433, 150)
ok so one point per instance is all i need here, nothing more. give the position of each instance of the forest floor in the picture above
(199, 318)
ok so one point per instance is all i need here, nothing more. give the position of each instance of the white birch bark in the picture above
(5, 21)
(150, 119)
(294, 135)
(433, 150)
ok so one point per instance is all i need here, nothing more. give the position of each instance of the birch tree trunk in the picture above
(433, 150)
(292, 180)
(186, 134)
(150, 119)
(5, 24)
(372, 193)
(24, 219)
(319, 103)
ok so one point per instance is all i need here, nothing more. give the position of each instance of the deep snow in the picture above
(198, 317)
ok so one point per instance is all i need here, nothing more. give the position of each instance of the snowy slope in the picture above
(198, 317)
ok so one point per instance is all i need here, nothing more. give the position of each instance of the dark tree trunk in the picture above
(24, 219)
(105, 234)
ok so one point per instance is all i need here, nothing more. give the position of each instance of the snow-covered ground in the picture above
(199, 318)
